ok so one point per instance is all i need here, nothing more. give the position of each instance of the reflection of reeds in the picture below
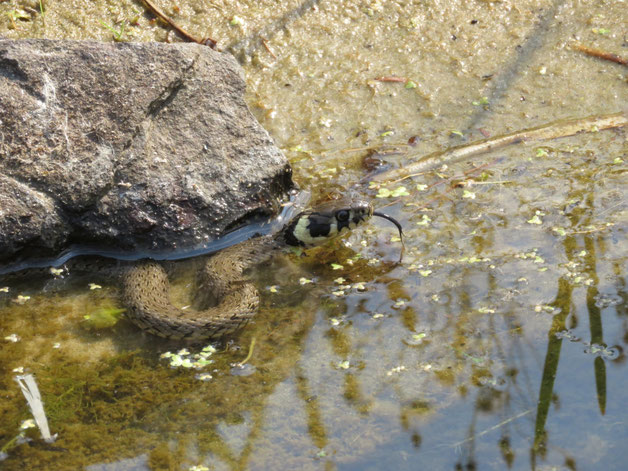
(315, 423)
(564, 303)
(595, 323)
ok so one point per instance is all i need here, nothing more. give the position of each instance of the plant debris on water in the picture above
(186, 359)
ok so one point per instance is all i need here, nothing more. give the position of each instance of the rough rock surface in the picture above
(143, 146)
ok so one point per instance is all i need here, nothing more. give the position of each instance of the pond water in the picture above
(498, 342)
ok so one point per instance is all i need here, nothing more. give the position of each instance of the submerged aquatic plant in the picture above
(118, 34)
(18, 439)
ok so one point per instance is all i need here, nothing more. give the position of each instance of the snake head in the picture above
(325, 222)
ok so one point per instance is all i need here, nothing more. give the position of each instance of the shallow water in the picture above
(498, 342)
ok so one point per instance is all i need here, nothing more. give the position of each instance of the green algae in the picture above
(129, 398)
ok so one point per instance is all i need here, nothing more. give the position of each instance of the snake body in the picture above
(146, 286)
(222, 277)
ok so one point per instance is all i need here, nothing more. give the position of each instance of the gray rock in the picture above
(143, 146)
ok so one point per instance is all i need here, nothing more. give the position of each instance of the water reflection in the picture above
(586, 244)
(439, 360)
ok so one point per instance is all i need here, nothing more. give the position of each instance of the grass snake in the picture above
(222, 277)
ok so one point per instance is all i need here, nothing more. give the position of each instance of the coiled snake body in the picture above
(146, 286)
(146, 289)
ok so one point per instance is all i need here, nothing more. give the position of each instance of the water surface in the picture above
(500, 340)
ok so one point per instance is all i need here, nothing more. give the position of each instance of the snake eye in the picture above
(342, 215)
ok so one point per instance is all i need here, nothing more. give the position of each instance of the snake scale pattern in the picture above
(222, 277)
(146, 286)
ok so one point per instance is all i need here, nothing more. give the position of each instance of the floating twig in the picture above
(542, 133)
(267, 47)
(391, 79)
(609, 56)
(183, 33)
(494, 427)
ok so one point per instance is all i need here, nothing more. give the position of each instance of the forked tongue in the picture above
(396, 223)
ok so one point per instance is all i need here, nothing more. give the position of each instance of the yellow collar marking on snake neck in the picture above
(302, 232)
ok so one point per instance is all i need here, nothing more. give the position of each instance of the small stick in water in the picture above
(539, 134)
(609, 56)
(160, 14)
